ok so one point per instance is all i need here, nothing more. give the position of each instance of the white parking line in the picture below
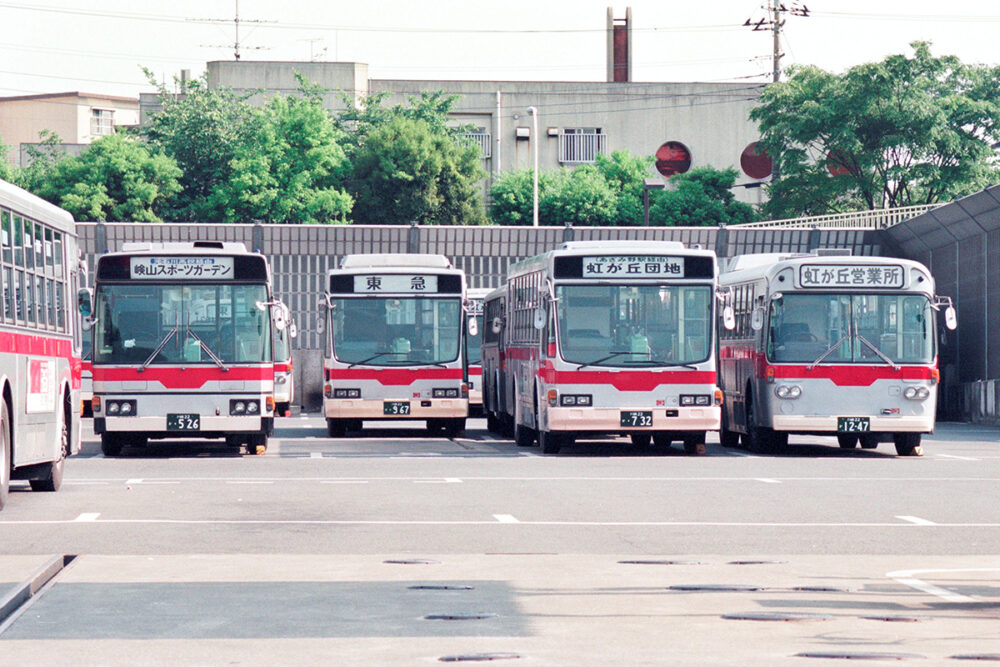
(315, 455)
(767, 480)
(249, 481)
(958, 458)
(916, 520)
(446, 480)
(505, 518)
(908, 578)
(438, 522)
(344, 481)
(87, 516)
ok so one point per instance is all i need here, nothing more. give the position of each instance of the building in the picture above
(76, 118)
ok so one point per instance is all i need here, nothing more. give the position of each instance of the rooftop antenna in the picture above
(236, 21)
(774, 23)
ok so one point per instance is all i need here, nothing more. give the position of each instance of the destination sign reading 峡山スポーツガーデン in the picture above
(395, 284)
(613, 266)
(850, 275)
(181, 268)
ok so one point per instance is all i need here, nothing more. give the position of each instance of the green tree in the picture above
(699, 197)
(626, 173)
(900, 132)
(512, 196)
(6, 168)
(116, 178)
(581, 196)
(405, 170)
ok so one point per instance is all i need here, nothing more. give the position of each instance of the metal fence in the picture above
(873, 219)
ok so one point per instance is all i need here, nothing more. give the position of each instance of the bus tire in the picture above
(336, 428)
(491, 423)
(641, 439)
(847, 440)
(111, 444)
(694, 444)
(549, 442)
(869, 441)
(908, 444)
(728, 438)
(662, 439)
(757, 439)
(52, 472)
(523, 436)
(5, 464)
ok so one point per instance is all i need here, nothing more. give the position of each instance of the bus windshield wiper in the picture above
(372, 358)
(603, 359)
(672, 364)
(877, 351)
(159, 348)
(828, 352)
(211, 354)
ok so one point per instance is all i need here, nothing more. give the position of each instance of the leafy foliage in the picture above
(626, 174)
(699, 197)
(900, 132)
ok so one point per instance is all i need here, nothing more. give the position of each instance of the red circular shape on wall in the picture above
(834, 165)
(755, 162)
(672, 158)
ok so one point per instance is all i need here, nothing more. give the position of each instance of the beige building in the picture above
(77, 118)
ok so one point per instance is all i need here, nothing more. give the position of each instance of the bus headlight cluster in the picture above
(347, 393)
(696, 399)
(241, 406)
(444, 393)
(788, 391)
(120, 408)
(576, 399)
(916, 393)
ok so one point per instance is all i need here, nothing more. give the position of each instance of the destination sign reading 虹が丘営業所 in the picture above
(851, 275)
(608, 266)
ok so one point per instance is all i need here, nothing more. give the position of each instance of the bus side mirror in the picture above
(757, 319)
(84, 302)
(728, 318)
(496, 325)
(950, 318)
(321, 317)
(473, 327)
(293, 330)
(539, 321)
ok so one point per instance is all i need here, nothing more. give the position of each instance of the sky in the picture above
(51, 46)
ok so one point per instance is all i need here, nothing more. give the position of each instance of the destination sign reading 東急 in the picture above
(635, 266)
(851, 275)
(395, 284)
(181, 268)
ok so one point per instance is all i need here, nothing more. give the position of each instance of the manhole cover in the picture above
(822, 589)
(660, 562)
(430, 587)
(778, 616)
(893, 619)
(412, 561)
(478, 616)
(480, 657)
(859, 656)
(977, 656)
(716, 588)
(757, 562)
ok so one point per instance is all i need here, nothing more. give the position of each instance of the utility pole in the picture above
(774, 22)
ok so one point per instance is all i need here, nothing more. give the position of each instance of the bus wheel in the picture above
(4, 453)
(492, 425)
(549, 442)
(336, 428)
(728, 438)
(641, 439)
(869, 441)
(523, 436)
(757, 438)
(694, 444)
(52, 475)
(111, 444)
(908, 444)
(847, 440)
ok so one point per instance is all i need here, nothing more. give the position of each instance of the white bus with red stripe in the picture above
(474, 347)
(182, 345)
(612, 337)
(393, 350)
(284, 376)
(39, 341)
(830, 344)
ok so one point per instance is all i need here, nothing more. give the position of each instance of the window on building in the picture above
(102, 121)
(480, 137)
(581, 144)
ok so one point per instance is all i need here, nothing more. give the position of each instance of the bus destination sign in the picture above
(638, 266)
(390, 283)
(181, 268)
(851, 275)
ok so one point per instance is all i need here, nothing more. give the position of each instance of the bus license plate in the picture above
(636, 418)
(183, 422)
(853, 425)
(396, 408)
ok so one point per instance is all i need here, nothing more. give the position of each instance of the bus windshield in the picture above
(851, 327)
(133, 320)
(475, 343)
(650, 325)
(396, 331)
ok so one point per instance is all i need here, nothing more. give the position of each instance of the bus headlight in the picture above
(120, 408)
(113, 407)
(788, 391)
(237, 408)
(916, 393)
(576, 399)
(696, 399)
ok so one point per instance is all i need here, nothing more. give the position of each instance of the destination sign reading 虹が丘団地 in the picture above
(851, 275)
(635, 266)
(181, 268)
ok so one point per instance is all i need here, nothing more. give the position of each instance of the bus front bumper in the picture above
(209, 426)
(877, 424)
(609, 420)
(372, 409)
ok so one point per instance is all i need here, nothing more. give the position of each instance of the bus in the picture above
(830, 344)
(612, 337)
(496, 402)
(86, 380)
(394, 328)
(182, 344)
(284, 377)
(39, 342)
(474, 351)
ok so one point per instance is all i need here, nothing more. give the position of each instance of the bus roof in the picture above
(392, 260)
(767, 266)
(599, 248)
(477, 292)
(24, 203)
(186, 247)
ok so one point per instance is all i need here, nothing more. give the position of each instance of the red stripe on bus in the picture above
(852, 376)
(394, 376)
(281, 368)
(627, 380)
(478, 370)
(185, 377)
(12, 342)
